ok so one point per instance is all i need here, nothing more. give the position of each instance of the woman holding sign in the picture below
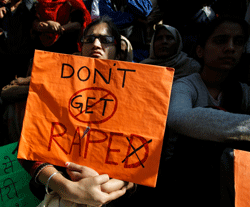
(207, 115)
(100, 40)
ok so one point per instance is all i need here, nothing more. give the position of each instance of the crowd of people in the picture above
(208, 46)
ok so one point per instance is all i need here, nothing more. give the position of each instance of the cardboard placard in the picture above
(241, 177)
(14, 180)
(105, 114)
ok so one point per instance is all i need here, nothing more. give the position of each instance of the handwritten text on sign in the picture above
(105, 114)
(14, 180)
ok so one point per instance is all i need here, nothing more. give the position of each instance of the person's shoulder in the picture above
(188, 84)
(190, 78)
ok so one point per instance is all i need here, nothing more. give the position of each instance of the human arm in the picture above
(204, 123)
(17, 90)
(3, 11)
(75, 23)
(71, 26)
(47, 26)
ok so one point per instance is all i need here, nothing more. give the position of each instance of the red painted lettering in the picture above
(52, 135)
(77, 143)
(141, 161)
(88, 141)
(112, 150)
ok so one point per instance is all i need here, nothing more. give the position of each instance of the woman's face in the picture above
(98, 48)
(224, 47)
(164, 44)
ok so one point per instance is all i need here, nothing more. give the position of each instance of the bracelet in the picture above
(47, 184)
(38, 171)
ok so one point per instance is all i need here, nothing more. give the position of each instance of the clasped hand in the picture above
(88, 187)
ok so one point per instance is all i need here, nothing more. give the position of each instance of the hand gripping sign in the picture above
(105, 114)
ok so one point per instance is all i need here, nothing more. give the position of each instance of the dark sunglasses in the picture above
(102, 38)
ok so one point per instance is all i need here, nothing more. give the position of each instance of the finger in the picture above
(130, 185)
(13, 82)
(74, 176)
(73, 166)
(113, 185)
(116, 194)
(59, 30)
(83, 170)
(101, 179)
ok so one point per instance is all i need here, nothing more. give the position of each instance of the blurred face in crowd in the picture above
(99, 43)
(5, 1)
(224, 47)
(164, 44)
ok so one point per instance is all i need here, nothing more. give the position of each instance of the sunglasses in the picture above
(102, 38)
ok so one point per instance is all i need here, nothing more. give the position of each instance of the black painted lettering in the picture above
(77, 105)
(81, 69)
(69, 71)
(88, 106)
(103, 78)
(105, 104)
(124, 74)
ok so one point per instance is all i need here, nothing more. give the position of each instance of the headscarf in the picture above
(182, 64)
(59, 11)
(129, 49)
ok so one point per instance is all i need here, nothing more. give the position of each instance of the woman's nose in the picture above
(230, 45)
(97, 42)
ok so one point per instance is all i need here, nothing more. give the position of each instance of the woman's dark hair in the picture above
(112, 29)
(207, 29)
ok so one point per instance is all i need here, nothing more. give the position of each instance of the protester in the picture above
(100, 40)
(202, 131)
(59, 24)
(16, 46)
(14, 96)
(166, 50)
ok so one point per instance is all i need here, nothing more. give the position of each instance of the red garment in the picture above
(59, 11)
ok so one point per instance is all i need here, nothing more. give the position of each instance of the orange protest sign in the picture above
(241, 178)
(105, 114)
